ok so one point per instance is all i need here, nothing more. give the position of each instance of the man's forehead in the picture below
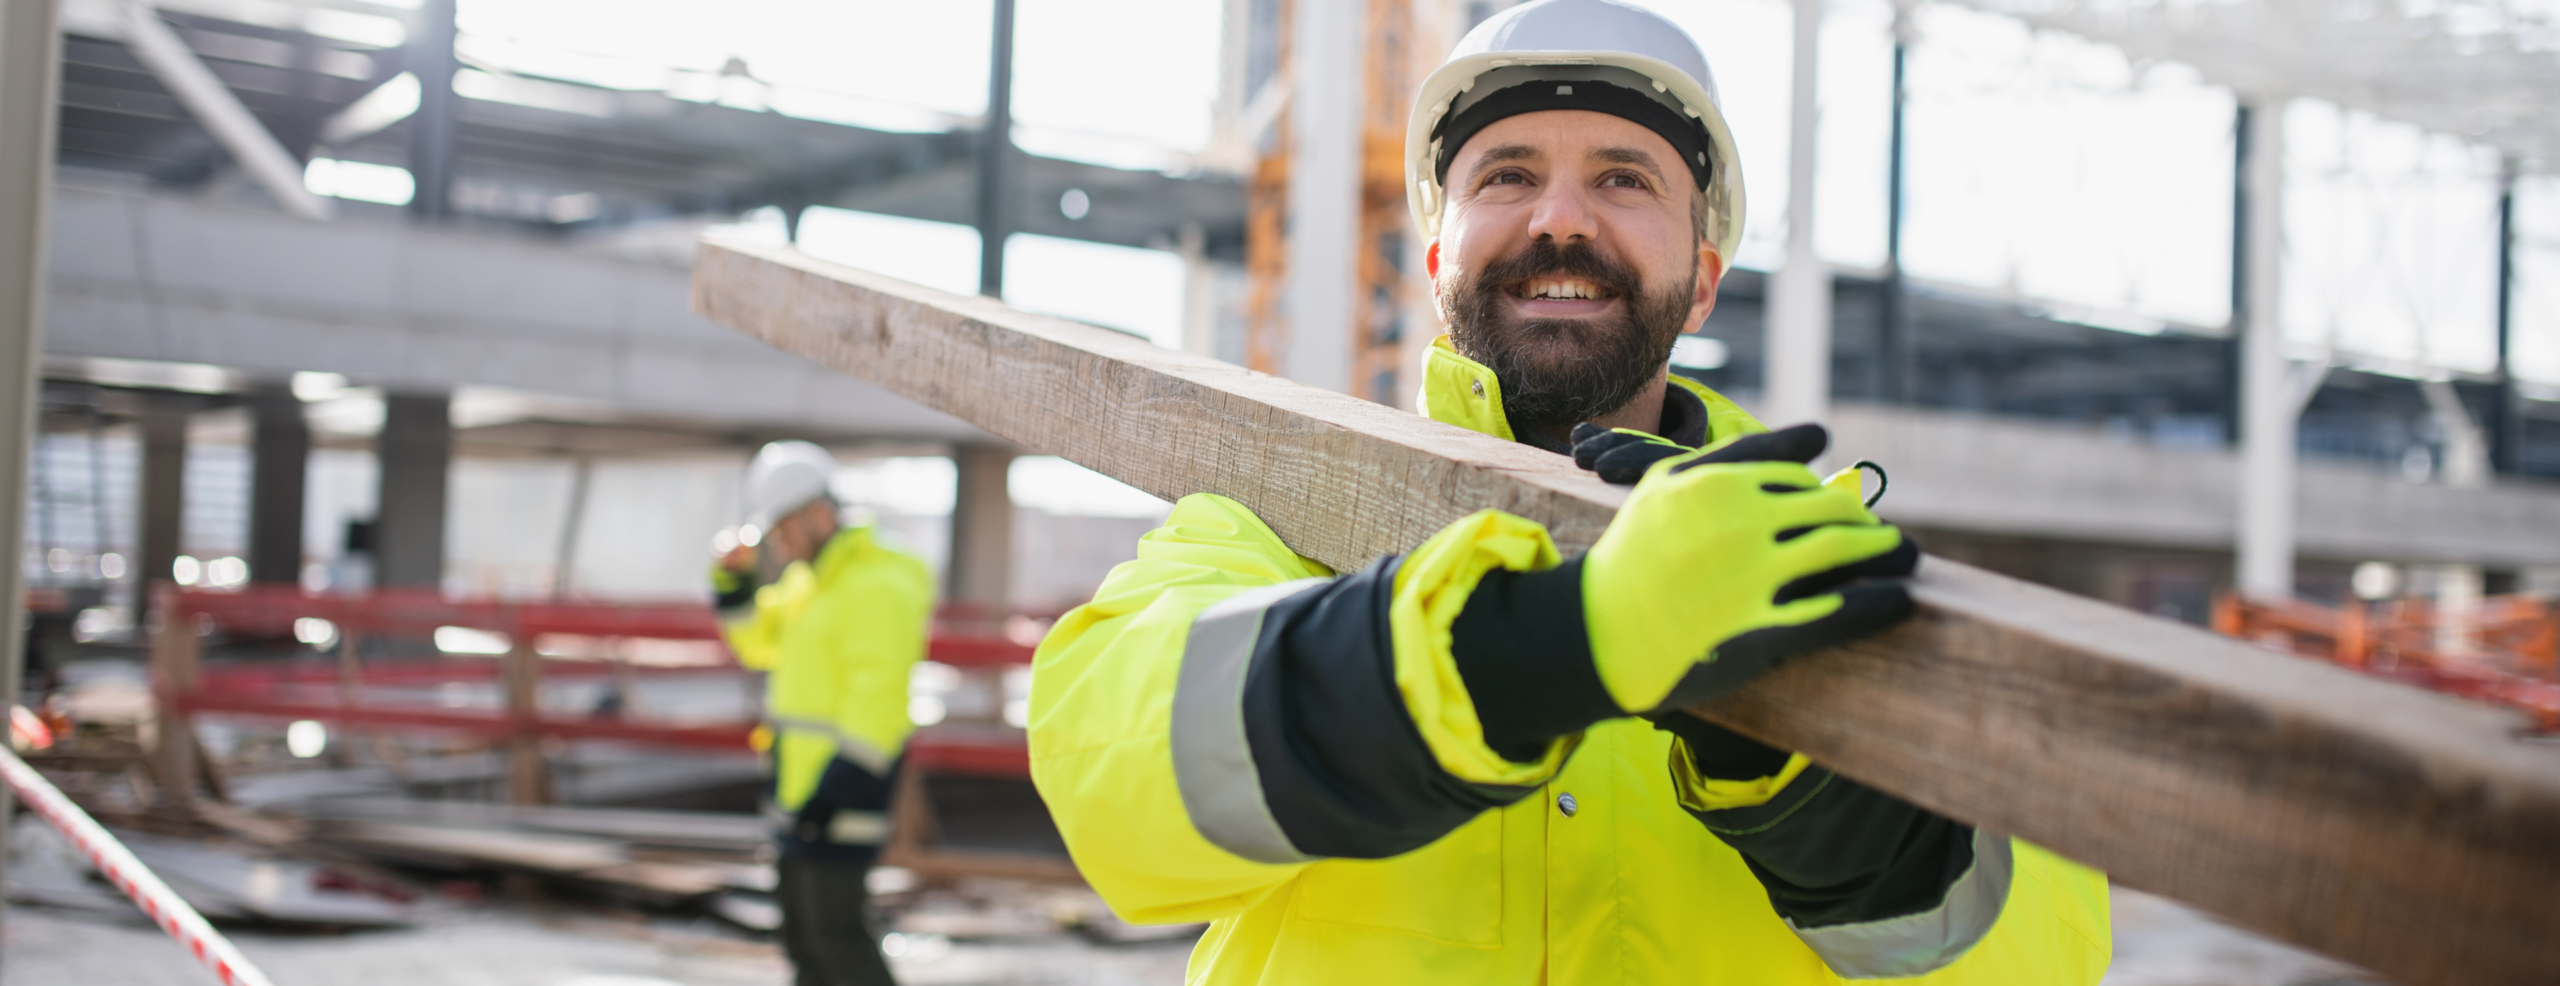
(1561, 136)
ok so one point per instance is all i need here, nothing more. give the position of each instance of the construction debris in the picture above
(222, 882)
(118, 866)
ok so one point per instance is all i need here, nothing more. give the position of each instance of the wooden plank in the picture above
(176, 659)
(935, 863)
(2411, 833)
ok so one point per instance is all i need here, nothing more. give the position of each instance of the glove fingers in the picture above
(1793, 507)
(1832, 546)
(1861, 610)
(1799, 444)
(1590, 442)
(1627, 463)
(1897, 563)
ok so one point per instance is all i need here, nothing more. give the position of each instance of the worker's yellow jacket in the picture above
(838, 638)
(1232, 733)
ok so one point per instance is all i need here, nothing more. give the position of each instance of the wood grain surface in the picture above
(2414, 834)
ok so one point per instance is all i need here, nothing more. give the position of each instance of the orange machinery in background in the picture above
(2504, 649)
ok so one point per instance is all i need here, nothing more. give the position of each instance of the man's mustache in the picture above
(1544, 258)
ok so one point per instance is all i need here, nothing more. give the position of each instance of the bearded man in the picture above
(1466, 763)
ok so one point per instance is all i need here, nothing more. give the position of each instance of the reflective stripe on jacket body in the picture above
(838, 637)
(1215, 747)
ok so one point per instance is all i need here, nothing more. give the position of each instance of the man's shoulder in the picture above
(1209, 536)
(873, 561)
(1211, 519)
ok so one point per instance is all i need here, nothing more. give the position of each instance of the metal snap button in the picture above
(1566, 804)
(1478, 384)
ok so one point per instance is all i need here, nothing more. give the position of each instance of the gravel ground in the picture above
(510, 946)
(2162, 943)
(2158, 943)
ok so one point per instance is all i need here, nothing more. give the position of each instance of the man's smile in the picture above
(1548, 296)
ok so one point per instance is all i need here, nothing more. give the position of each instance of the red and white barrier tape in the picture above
(129, 875)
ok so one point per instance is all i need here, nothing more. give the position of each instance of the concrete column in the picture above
(415, 449)
(2506, 422)
(2239, 319)
(999, 167)
(280, 446)
(1326, 110)
(980, 573)
(1895, 371)
(2465, 466)
(565, 559)
(435, 130)
(30, 71)
(1199, 293)
(163, 496)
(2269, 408)
(2458, 592)
(1797, 385)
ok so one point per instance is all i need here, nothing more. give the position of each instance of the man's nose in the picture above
(1564, 213)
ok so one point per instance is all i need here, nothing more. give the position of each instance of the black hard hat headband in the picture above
(1685, 134)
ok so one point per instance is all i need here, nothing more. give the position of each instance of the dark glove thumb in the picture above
(1801, 443)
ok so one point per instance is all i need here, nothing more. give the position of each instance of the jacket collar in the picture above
(841, 551)
(1460, 391)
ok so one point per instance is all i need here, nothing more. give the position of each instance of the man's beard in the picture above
(1556, 372)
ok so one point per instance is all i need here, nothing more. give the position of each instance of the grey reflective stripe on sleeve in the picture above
(1212, 759)
(865, 755)
(1916, 944)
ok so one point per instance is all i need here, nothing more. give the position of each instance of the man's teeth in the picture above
(1559, 289)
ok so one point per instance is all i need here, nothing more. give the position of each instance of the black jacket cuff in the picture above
(1525, 656)
(1345, 772)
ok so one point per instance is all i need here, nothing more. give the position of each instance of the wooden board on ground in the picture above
(601, 862)
(736, 835)
(2407, 832)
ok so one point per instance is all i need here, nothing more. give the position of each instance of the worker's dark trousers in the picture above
(823, 930)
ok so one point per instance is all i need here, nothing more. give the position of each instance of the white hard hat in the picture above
(784, 477)
(1625, 50)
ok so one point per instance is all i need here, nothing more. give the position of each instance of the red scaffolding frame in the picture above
(337, 693)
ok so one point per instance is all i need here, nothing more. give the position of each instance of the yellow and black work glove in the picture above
(1726, 562)
(1723, 564)
(1621, 455)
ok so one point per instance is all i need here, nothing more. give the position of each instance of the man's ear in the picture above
(1431, 264)
(1710, 275)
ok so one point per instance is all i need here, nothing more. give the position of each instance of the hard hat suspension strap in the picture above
(1685, 134)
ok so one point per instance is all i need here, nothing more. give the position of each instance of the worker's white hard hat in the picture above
(1627, 50)
(784, 477)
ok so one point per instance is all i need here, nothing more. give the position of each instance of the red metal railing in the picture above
(344, 692)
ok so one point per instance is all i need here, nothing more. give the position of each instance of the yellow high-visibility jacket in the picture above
(839, 638)
(1216, 746)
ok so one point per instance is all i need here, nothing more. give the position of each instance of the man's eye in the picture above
(1625, 181)
(1508, 178)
